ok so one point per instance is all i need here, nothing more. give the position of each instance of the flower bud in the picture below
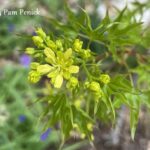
(59, 44)
(90, 126)
(51, 44)
(83, 136)
(86, 84)
(41, 33)
(98, 95)
(86, 53)
(34, 65)
(77, 45)
(94, 86)
(73, 81)
(29, 51)
(38, 41)
(34, 76)
(92, 137)
(77, 103)
(75, 126)
(105, 78)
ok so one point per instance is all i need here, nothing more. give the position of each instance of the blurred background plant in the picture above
(18, 117)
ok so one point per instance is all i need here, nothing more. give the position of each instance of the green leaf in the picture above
(87, 20)
(107, 100)
(134, 112)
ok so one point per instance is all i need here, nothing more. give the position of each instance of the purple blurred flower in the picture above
(34, 33)
(22, 118)
(45, 135)
(25, 60)
(11, 27)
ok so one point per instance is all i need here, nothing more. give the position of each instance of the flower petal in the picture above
(44, 136)
(53, 73)
(50, 54)
(58, 81)
(43, 69)
(73, 69)
(68, 53)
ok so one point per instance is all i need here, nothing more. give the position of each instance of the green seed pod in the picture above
(105, 78)
(30, 51)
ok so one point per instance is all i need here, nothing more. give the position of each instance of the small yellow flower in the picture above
(61, 65)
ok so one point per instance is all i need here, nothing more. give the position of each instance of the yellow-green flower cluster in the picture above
(83, 135)
(57, 63)
(95, 87)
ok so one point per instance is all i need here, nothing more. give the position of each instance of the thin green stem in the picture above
(89, 43)
(62, 141)
(88, 73)
(86, 70)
